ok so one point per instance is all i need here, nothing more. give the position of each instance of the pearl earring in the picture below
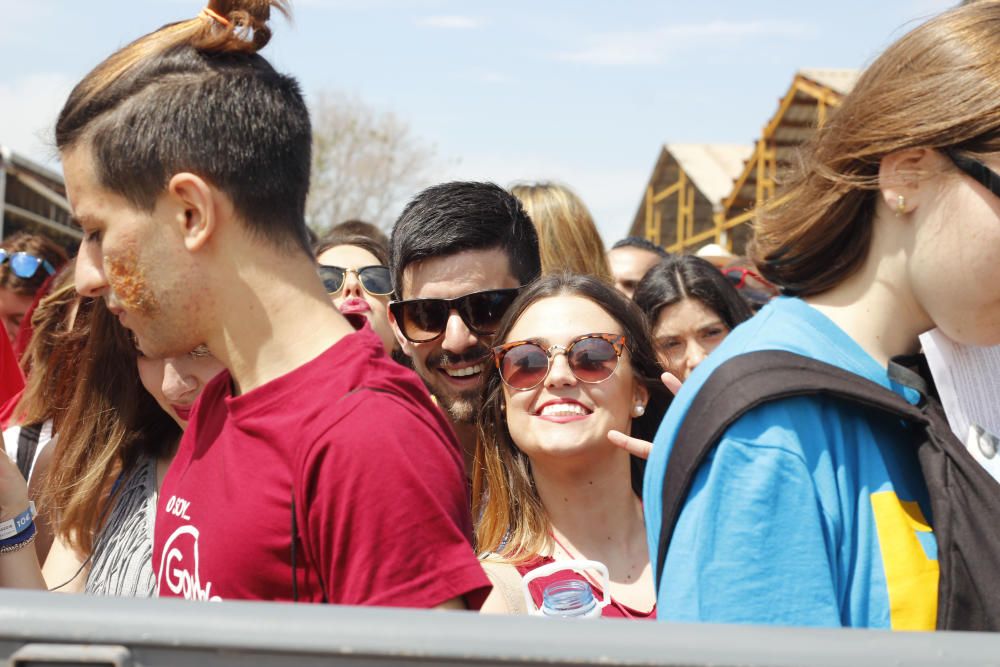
(640, 410)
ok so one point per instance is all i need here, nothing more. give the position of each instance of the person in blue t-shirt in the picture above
(808, 511)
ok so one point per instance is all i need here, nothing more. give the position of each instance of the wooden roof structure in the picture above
(706, 193)
(813, 94)
(685, 191)
(33, 200)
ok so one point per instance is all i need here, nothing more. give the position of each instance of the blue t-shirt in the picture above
(808, 512)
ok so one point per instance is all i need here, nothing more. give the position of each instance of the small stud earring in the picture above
(900, 205)
(640, 410)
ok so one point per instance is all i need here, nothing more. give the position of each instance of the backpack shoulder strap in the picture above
(507, 580)
(27, 445)
(742, 384)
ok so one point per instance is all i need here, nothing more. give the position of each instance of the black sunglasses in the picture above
(376, 280)
(976, 170)
(423, 320)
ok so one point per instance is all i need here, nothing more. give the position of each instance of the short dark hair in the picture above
(357, 233)
(372, 245)
(192, 97)
(450, 218)
(688, 277)
(641, 244)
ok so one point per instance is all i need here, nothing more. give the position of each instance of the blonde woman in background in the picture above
(567, 236)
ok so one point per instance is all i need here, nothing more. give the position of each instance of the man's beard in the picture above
(463, 406)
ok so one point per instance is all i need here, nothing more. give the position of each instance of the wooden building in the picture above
(721, 213)
(34, 201)
(684, 193)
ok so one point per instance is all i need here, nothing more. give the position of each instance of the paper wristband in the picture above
(18, 524)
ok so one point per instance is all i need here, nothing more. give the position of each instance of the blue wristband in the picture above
(20, 538)
(18, 524)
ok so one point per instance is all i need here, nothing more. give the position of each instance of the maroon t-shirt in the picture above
(381, 504)
(537, 587)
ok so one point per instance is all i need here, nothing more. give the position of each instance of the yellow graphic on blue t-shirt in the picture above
(909, 558)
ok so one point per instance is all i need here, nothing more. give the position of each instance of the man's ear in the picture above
(404, 344)
(901, 175)
(200, 205)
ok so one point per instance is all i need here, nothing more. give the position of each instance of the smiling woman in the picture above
(574, 360)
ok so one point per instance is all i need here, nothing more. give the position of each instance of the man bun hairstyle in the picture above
(195, 96)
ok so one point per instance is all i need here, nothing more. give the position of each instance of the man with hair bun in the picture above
(315, 469)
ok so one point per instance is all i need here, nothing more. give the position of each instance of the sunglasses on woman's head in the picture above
(376, 279)
(423, 320)
(592, 358)
(24, 265)
(975, 169)
(738, 277)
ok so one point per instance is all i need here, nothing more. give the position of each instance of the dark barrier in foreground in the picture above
(52, 629)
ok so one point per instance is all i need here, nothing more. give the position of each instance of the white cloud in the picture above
(656, 45)
(28, 109)
(450, 22)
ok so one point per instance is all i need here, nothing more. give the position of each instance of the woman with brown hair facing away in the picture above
(568, 240)
(573, 361)
(812, 511)
(100, 477)
(61, 323)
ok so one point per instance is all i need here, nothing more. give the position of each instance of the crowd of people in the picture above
(210, 403)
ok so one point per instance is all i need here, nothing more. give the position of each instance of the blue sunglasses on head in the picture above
(24, 265)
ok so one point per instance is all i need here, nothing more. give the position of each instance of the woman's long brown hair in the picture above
(52, 357)
(937, 87)
(512, 522)
(110, 423)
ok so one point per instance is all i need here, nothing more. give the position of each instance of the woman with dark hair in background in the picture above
(574, 360)
(692, 307)
(27, 261)
(355, 273)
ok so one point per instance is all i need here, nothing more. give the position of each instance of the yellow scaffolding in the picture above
(805, 106)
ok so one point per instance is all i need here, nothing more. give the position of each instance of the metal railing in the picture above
(52, 629)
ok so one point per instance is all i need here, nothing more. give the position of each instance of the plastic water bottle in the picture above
(573, 598)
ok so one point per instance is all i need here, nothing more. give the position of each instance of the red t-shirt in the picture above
(381, 505)
(614, 609)
(11, 378)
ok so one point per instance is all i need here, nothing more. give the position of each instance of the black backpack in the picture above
(964, 498)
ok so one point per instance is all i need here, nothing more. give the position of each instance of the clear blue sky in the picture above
(569, 90)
